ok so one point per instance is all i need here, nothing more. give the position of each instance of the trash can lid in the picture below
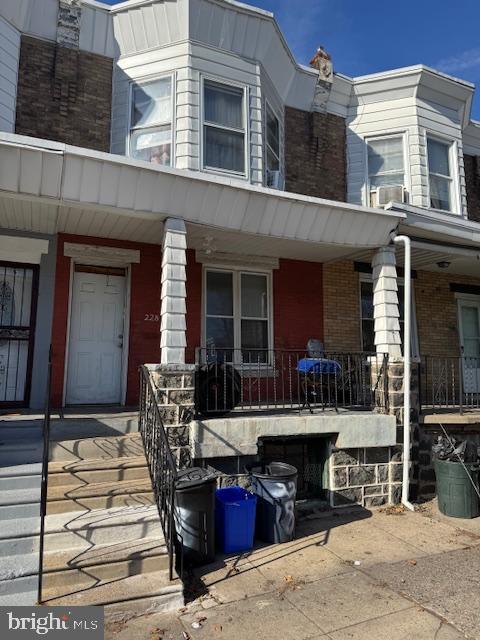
(193, 477)
(273, 470)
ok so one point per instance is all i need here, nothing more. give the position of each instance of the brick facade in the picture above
(436, 309)
(341, 298)
(472, 179)
(64, 94)
(144, 339)
(315, 154)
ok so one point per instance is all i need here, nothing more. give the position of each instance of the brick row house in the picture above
(176, 189)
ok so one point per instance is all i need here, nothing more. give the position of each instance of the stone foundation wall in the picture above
(175, 385)
(369, 477)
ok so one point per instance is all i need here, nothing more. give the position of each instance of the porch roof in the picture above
(50, 187)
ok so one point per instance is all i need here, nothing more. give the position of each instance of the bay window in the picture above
(440, 174)
(386, 165)
(151, 122)
(224, 131)
(237, 314)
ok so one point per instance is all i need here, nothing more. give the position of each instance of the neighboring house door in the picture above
(18, 298)
(94, 374)
(469, 316)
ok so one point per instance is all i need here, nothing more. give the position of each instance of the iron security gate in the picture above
(18, 298)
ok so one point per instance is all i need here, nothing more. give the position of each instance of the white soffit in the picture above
(29, 250)
(80, 178)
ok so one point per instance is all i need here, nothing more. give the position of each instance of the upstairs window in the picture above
(151, 122)
(223, 127)
(386, 165)
(273, 140)
(440, 174)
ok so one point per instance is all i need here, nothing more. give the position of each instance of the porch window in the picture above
(223, 127)
(151, 122)
(366, 310)
(237, 314)
(440, 174)
(385, 164)
(367, 320)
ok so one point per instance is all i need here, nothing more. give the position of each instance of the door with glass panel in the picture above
(469, 320)
(18, 295)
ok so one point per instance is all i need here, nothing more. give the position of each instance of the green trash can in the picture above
(456, 492)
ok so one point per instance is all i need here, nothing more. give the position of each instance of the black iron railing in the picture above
(160, 460)
(282, 379)
(44, 485)
(449, 383)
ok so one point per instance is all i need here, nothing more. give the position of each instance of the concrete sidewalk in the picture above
(353, 574)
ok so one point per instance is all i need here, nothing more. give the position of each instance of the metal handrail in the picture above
(44, 486)
(160, 460)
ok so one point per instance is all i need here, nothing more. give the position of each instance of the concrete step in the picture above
(97, 448)
(94, 471)
(15, 432)
(13, 483)
(152, 592)
(85, 529)
(76, 425)
(18, 511)
(103, 495)
(19, 496)
(18, 452)
(103, 564)
(18, 566)
(19, 591)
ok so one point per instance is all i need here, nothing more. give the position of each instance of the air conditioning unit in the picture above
(275, 180)
(390, 193)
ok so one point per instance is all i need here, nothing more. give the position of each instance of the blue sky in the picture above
(365, 36)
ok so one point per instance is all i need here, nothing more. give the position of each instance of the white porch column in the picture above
(385, 302)
(173, 325)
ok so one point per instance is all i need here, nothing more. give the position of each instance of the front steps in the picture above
(104, 544)
(103, 540)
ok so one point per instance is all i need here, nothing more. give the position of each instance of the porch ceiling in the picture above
(63, 188)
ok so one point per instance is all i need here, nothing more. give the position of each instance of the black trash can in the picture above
(275, 485)
(195, 515)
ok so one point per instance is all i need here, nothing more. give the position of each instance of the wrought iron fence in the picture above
(160, 460)
(449, 383)
(260, 379)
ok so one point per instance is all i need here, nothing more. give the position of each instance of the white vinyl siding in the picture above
(9, 56)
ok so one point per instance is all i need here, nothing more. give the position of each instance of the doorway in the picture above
(469, 323)
(18, 301)
(95, 349)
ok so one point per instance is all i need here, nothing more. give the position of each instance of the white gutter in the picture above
(405, 240)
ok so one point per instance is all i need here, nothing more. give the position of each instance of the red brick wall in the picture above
(144, 343)
(297, 303)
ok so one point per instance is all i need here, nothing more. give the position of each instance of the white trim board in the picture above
(113, 255)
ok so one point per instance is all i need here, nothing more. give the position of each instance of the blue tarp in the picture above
(319, 366)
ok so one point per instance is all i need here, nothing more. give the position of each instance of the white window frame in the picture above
(237, 306)
(406, 166)
(414, 345)
(269, 108)
(141, 83)
(454, 181)
(246, 128)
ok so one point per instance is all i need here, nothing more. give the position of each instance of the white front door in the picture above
(469, 312)
(94, 374)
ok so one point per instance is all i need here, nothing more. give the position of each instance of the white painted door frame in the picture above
(126, 319)
(469, 385)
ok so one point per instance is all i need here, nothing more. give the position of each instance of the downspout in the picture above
(405, 240)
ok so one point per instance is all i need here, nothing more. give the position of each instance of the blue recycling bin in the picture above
(235, 510)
